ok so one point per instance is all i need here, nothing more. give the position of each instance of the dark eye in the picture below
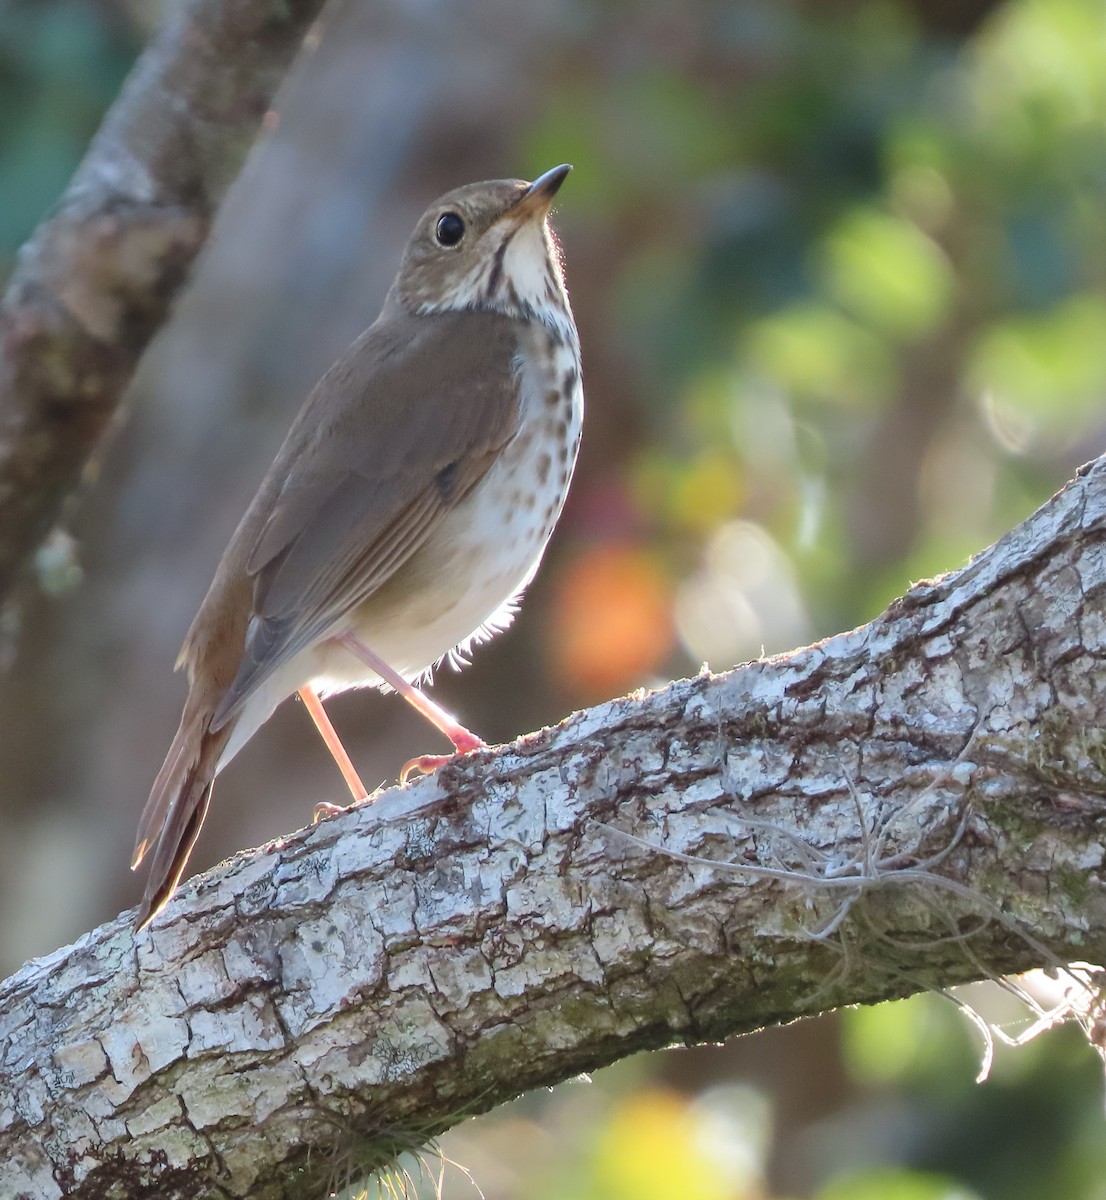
(450, 229)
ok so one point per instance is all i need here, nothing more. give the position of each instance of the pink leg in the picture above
(329, 735)
(462, 739)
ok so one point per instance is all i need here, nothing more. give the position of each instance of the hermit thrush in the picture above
(405, 513)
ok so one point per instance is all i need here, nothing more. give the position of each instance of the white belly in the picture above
(483, 555)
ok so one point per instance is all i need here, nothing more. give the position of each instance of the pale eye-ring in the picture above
(450, 229)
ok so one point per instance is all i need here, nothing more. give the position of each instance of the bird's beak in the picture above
(537, 200)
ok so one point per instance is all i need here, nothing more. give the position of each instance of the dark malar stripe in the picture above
(496, 273)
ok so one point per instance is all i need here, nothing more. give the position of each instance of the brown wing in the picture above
(404, 427)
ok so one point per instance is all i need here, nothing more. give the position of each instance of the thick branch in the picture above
(914, 803)
(96, 281)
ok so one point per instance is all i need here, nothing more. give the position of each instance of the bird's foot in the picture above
(463, 741)
(325, 809)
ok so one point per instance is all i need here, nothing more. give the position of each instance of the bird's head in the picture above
(487, 246)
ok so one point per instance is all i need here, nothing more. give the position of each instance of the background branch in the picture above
(97, 279)
(914, 803)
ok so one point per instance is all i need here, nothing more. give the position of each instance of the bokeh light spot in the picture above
(612, 620)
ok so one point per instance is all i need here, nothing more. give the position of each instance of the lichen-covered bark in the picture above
(97, 279)
(915, 802)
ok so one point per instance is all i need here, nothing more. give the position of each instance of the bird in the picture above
(405, 513)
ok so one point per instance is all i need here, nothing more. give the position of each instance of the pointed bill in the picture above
(538, 197)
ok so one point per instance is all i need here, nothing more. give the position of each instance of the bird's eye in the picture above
(450, 229)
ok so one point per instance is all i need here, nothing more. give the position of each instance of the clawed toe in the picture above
(323, 809)
(426, 763)
(463, 741)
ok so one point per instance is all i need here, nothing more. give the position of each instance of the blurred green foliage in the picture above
(61, 66)
(891, 1184)
(864, 282)
(863, 303)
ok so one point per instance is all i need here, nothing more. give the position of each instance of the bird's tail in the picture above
(175, 811)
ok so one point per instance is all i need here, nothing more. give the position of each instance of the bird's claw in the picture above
(426, 763)
(463, 742)
(324, 809)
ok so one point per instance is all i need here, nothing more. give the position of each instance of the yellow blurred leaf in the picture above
(652, 1150)
(707, 492)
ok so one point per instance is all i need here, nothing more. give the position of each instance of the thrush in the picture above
(406, 511)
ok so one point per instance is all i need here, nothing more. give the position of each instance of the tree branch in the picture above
(912, 804)
(97, 279)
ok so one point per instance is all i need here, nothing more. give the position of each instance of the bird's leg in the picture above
(314, 706)
(463, 739)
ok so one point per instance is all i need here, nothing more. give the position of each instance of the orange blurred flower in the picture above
(611, 625)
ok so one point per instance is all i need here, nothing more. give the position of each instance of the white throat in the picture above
(521, 278)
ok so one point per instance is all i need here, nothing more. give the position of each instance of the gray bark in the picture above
(914, 803)
(97, 279)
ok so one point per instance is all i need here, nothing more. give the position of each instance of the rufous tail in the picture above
(176, 808)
